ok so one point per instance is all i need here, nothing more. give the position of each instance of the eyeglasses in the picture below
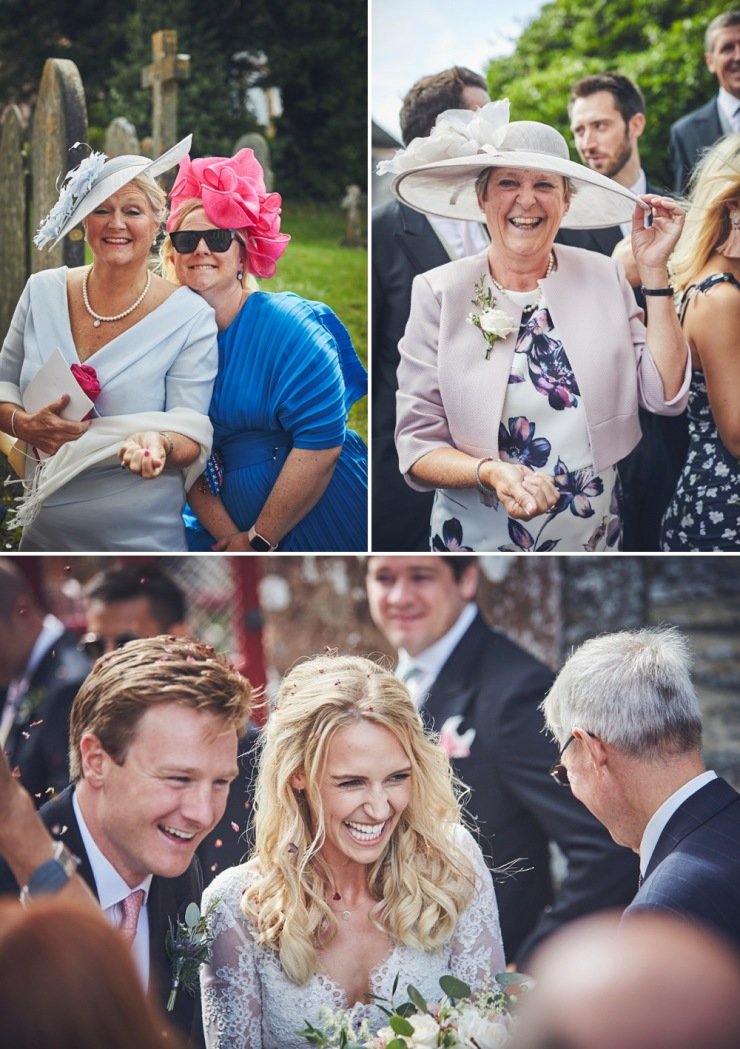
(185, 241)
(96, 645)
(559, 772)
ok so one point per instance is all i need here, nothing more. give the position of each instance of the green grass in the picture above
(316, 266)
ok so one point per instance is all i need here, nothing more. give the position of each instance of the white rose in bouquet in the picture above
(474, 1029)
(426, 1031)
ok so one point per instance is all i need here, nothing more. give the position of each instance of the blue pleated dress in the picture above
(287, 377)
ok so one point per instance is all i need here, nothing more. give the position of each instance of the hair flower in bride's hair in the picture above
(456, 133)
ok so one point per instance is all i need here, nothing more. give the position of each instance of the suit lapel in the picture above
(453, 692)
(59, 817)
(694, 812)
(419, 242)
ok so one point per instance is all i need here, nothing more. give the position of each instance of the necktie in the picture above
(410, 673)
(131, 906)
(736, 119)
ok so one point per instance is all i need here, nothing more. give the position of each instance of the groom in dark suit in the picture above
(607, 119)
(481, 692)
(153, 743)
(627, 719)
(41, 668)
(406, 243)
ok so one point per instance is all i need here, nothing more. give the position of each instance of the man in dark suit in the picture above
(627, 718)
(481, 692)
(406, 243)
(153, 734)
(607, 118)
(41, 669)
(695, 132)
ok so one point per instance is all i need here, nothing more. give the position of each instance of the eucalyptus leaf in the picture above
(417, 998)
(401, 1026)
(192, 915)
(453, 987)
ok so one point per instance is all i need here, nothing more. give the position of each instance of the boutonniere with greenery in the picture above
(494, 323)
(30, 703)
(188, 944)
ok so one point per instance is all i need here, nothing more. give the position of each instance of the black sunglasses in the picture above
(96, 645)
(185, 241)
(558, 771)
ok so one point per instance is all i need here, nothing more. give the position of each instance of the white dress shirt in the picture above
(112, 889)
(728, 108)
(460, 237)
(659, 820)
(638, 189)
(432, 659)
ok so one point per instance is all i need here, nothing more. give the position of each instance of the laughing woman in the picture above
(362, 873)
(146, 352)
(286, 472)
(517, 412)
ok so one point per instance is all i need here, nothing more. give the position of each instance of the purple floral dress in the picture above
(543, 427)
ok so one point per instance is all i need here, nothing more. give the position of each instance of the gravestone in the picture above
(352, 204)
(261, 149)
(59, 121)
(121, 138)
(164, 73)
(13, 217)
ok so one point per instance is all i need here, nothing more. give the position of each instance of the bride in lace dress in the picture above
(362, 870)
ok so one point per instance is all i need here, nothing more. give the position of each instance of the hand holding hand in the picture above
(234, 544)
(653, 245)
(47, 430)
(523, 493)
(144, 453)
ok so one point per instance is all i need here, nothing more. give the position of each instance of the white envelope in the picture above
(54, 378)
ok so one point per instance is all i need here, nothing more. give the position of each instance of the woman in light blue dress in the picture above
(146, 352)
(286, 472)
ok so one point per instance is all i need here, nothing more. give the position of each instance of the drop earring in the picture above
(731, 247)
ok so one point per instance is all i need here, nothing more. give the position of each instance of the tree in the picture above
(657, 43)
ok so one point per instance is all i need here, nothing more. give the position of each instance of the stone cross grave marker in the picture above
(59, 121)
(162, 76)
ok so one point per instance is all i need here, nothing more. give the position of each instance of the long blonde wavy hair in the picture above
(715, 182)
(422, 881)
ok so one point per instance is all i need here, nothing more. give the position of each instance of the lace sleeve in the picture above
(230, 988)
(477, 947)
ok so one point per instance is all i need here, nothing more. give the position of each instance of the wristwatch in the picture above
(259, 543)
(52, 875)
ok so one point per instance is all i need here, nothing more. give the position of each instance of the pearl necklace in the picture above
(97, 317)
(540, 297)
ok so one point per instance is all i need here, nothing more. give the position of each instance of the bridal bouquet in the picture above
(459, 1020)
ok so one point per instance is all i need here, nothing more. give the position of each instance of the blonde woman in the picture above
(705, 511)
(144, 350)
(362, 871)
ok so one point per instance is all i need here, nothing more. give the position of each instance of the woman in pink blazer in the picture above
(522, 367)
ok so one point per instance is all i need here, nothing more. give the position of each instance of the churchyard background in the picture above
(310, 603)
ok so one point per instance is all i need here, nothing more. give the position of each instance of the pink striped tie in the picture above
(131, 906)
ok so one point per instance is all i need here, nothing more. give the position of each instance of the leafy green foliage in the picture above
(657, 43)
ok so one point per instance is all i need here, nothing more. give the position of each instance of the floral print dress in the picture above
(704, 513)
(543, 427)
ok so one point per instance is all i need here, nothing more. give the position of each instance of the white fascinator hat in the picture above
(437, 174)
(94, 180)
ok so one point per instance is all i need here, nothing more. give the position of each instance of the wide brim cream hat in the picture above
(436, 175)
(94, 180)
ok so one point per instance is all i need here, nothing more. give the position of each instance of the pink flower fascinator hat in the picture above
(232, 193)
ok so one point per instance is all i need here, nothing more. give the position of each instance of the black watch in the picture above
(259, 543)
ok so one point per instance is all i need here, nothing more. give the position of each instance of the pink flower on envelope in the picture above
(452, 743)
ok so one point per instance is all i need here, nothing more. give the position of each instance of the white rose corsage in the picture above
(494, 323)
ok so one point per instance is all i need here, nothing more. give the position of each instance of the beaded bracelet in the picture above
(170, 442)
